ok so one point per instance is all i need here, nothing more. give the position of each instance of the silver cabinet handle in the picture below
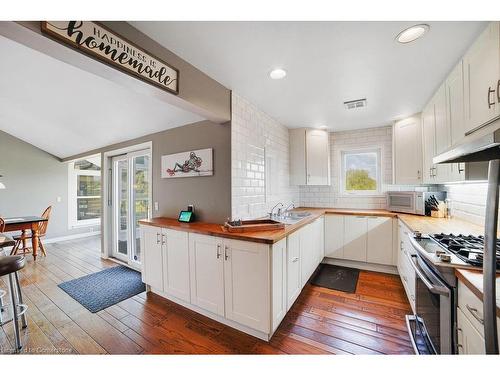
(418, 174)
(474, 313)
(163, 239)
(401, 245)
(460, 170)
(226, 256)
(412, 297)
(490, 102)
(218, 251)
(295, 259)
(157, 238)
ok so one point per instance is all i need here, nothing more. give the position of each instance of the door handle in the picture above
(491, 91)
(296, 259)
(498, 91)
(226, 256)
(474, 313)
(218, 251)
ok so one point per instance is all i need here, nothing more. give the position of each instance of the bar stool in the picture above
(9, 265)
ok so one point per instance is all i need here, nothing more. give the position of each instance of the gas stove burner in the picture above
(469, 249)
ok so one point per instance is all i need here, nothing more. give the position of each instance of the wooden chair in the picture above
(5, 241)
(42, 229)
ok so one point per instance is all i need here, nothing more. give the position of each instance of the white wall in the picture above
(329, 196)
(260, 161)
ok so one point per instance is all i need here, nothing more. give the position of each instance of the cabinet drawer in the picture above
(470, 340)
(471, 306)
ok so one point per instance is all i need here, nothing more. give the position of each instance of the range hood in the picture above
(483, 146)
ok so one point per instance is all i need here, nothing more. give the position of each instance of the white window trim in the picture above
(73, 223)
(361, 193)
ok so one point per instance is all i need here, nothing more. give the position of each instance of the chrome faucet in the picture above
(279, 209)
(288, 207)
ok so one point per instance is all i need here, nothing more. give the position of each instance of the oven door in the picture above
(431, 327)
(401, 202)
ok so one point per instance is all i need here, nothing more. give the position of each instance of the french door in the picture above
(131, 202)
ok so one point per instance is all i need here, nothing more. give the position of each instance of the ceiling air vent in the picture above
(354, 104)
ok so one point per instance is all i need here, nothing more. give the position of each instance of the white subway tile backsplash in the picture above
(255, 136)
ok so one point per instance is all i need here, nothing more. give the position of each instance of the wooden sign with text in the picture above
(103, 44)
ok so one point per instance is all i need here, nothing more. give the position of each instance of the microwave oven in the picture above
(411, 202)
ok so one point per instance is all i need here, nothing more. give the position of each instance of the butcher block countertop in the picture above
(423, 224)
(474, 281)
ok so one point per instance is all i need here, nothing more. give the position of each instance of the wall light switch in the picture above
(157, 206)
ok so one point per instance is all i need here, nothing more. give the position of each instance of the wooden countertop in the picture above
(474, 281)
(423, 224)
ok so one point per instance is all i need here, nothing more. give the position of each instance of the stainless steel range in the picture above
(433, 327)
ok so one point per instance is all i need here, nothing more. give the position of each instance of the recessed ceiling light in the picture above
(412, 33)
(277, 73)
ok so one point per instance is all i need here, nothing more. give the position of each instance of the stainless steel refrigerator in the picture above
(484, 145)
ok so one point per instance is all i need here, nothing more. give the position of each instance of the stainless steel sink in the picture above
(291, 217)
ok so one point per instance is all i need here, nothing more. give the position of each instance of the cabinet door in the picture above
(207, 272)
(379, 240)
(176, 264)
(455, 103)
(481, 72)
(246, 284)
(334, 236)
(470, 340)
(308, 252)
(298, 157)
(443, 134)
(279, 263)
(428, 142)
(355, 228)
(320, 235)
(317, 157)
(408, 151)
(293, 268)
(152, 263)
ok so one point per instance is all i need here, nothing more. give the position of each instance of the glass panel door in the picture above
(131, 203)
(141, 203)
(121, 208)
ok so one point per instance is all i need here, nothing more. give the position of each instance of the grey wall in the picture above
(34, 179)
(211, 195)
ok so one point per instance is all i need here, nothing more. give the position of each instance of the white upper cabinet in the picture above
(408, 151)
(309, 157)
(428, 143)
(443, 133)
(455, 103)
(482, 78)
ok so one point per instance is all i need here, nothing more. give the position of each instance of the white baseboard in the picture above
(362, 265)
(71, 237)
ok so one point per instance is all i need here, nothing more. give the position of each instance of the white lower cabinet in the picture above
(176, 264)
(379, 240)
(294, 285)
(246, 283)
(360, 238)
(355, 234)
(470, 340)
(405, 269)
(152, 261)
(207, 272)
(334, 236)
(279, 282)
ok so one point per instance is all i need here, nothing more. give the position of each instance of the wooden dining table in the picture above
(25, 223)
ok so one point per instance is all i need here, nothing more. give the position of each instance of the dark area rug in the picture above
(106, 288)
(336, 277)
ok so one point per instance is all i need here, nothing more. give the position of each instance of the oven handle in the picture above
(432, 288)
(412, 339)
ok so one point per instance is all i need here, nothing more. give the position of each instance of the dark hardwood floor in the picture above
(322, 321)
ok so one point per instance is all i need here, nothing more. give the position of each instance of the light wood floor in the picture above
(322, 321)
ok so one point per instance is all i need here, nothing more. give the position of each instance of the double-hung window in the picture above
(360, 172)
(84, 195)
